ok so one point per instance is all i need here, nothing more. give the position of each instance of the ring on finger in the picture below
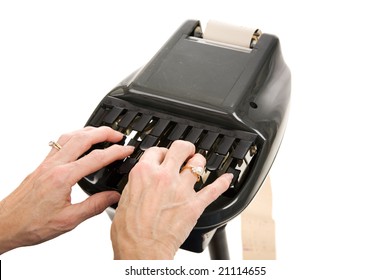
(198, 171)
(55, 145)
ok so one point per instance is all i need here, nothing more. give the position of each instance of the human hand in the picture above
(40, 208)
(159, 207)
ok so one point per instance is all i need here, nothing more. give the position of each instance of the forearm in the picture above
(19, 222)
(7, 243)
(7, 230)
(15, 218)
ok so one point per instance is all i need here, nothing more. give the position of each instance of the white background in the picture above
(330, 180)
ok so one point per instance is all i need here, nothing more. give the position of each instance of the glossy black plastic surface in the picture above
(232, 104)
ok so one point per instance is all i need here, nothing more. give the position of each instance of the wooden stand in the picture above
(258, 226)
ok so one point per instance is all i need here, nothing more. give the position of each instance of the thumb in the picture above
(211, 192)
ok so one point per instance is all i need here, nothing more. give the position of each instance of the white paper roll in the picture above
(229, 34)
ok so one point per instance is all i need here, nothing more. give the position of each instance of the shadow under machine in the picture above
(228, 96)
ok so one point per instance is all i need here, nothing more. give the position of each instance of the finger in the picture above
(154, 155)
(189, 177)
(65, 138)
(96, 160)
(93, 205)
(78, 142)
(177, 154)
(211, 192)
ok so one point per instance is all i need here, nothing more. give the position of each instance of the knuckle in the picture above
(153, 150)
(166, 177)
(184, 145)
(213, 192)
(78, 135)
(105, 129)
(56, 176)
(142, 167)
(199, 159)
(65, 224)
(64, 138)
(97, 155)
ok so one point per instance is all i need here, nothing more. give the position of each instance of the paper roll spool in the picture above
(230, 34)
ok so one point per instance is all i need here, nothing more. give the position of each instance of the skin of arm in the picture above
(40, 208)
(159, 207)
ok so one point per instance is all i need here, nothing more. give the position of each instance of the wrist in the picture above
(127, 248)
(143, 253)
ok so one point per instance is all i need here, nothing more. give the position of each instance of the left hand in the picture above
(41, 208)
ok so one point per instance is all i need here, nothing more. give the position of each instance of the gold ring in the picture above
(196, 170)
(54, 144)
